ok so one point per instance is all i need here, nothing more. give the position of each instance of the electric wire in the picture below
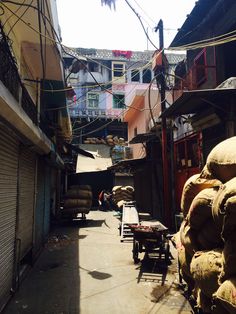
(144, 12)
(140, 20)
(184, 47)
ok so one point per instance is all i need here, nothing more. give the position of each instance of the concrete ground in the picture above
(86, 269)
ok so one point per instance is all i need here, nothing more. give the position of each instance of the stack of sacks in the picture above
(208, 232)
(94, 140)
(78, 199)
(122, 194)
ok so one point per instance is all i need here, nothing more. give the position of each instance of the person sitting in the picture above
(104, 200)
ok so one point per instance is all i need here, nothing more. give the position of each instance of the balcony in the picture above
(198, 77)
(10, 78)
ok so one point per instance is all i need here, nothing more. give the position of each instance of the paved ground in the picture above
(86, 269)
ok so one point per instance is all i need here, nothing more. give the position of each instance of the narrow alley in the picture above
(85, 268)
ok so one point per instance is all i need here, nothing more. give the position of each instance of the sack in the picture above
(192, 187)
(81, 187)
(184, 263)
(229, 222)
(201, 208)
(228, 259)
(129, 188)
(188, 238)
(176, 240)
(206, 304)
(225, 192)
(226, 295)
(78, 193)
(203, 302)
(221, 161)
(120, 204)
(205, 268)
(209, 237)
(116, 188)
(79, 203)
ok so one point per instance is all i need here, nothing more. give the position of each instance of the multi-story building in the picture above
(204, 94)
(105, 85)
(34, 124)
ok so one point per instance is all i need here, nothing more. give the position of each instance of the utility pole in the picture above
(160, 79)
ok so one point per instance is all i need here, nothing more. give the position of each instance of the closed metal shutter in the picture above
(47, 179)
(27, 161)
(40, 207)
(8, 200)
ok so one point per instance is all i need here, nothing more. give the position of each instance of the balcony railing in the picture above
(198, 77)
(9, 76)
(8, 69)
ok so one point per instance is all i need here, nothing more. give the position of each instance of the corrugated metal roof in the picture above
(192, 22)
(198, 100)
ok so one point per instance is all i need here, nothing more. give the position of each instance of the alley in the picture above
(84, 268)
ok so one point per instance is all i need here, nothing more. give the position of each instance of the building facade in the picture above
(34, 124)
(203, 110)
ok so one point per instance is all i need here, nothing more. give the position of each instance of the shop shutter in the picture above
(47, 198)
(25, 222)
(39, 210)
(8, 200)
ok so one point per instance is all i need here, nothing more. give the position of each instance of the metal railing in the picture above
(198, 77)
(8, 69)
(10, 77)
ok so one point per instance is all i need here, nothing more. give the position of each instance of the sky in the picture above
(88, 24)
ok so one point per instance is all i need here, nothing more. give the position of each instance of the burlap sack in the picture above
(226, 295)
(78, 193)
(120, 204)
(201, 208)
(184, 260)
(205, 269)
(81, 187)
(229, 222)
(221, 161)
(209, 237)
(225, 192)
(79, 203)
(228, 259)
(207, 305)
(116, 188)
(188, 238)
(192, 187)
(203, 302)
(176, 240)
(129, 188)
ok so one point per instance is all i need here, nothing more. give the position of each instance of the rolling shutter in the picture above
(27, 161)
(8, 201)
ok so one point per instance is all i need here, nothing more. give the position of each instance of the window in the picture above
(92, 100)
(135, 76)
(118, 69)
(93, 67)
(118, 101)
(200, 66)
(147, 76)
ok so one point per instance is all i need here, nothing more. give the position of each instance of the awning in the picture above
(130, 164)
(142, 138)
(79, 150)
(192, 102)
(96, 164)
